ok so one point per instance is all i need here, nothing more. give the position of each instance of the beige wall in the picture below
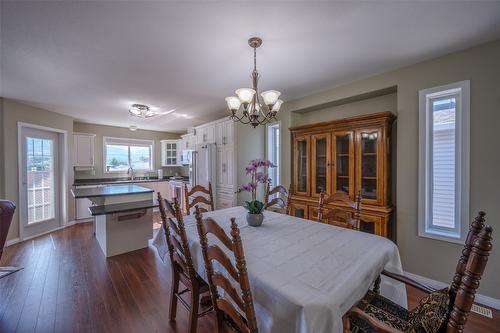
(119, 132)
(423, 256)
(14, 112)
(250, 145)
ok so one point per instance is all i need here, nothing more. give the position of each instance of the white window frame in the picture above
(462, 162)
(129, 142)
(268, 152)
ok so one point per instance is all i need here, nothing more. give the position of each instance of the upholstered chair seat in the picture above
(428, 317)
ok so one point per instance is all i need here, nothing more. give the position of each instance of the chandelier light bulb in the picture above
(277, 105)
(270, 97)
(245, 94)
(233, 103)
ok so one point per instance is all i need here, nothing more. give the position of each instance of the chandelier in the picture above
(247, 108)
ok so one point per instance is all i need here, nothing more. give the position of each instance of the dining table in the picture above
(304, 275)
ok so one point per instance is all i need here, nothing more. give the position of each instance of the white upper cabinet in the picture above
(187, 141)
(205, 134)
(170, 152)
(224, 133)
(83, 149)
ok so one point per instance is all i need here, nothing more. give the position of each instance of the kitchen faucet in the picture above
(131, 172)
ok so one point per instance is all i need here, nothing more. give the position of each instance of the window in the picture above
(40, 179)
(273, 152)
(120, 154)
(444, 162)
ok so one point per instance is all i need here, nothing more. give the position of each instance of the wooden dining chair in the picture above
(443, 310)
(348, 217)
(234, 309)
(280, 201)
(182, 265)
(199, 194)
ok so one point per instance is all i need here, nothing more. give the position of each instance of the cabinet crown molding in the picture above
(371, 118)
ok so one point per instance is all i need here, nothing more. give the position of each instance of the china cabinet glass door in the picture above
(343, 152)
(301, 165)
(321, 163)
(368, 147)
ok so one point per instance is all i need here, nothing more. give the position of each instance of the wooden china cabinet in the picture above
(349, 155)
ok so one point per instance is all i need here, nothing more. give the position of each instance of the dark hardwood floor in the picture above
(68, 286)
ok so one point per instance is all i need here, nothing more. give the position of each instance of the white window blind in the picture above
(444, 162)
(273, 152)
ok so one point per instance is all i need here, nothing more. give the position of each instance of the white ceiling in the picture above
(91, 60)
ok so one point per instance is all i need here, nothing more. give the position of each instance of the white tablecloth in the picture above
(304, 275)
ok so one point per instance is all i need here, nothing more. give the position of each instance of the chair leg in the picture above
(193, 314)
(376, 285)
(173, 294)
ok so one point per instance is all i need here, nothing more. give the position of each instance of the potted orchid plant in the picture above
(257, 169)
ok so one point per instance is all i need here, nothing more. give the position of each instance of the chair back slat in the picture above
(198, 200)
(212, 227)
(474, 270)
(340, 196)
(245, 320)
(215, 253)
(221, 281)
(276, 202)
(281, 201)
(476, 226)
(338, 215)
(228, 309)
(199, 188)
(198, 194)
(173, 226)
(177, 245)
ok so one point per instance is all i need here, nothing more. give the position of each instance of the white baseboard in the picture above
(12, 242)
(18, 240)
(481, 299)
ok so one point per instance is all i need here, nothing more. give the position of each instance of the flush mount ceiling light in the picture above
(133, 128)
(247, 108)
(144, 111)
(141, 111)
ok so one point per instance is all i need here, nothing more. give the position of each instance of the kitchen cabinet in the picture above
(225, 167)
(158, 186)
(82, 209)
(169, 152)
(224, 133)
(205, 134)
(83, 149)
(188, 141)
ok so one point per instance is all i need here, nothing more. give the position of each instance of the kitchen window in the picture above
(444, 162)
(120, 154)
(273, 152)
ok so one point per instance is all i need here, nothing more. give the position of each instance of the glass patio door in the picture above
(39, 190)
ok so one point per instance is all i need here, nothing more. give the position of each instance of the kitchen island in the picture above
(123, 216)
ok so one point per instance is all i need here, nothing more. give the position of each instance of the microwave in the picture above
(187, 157)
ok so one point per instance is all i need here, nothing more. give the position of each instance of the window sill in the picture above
(449, 237)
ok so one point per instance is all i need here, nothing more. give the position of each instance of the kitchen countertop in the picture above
(108, 190)
(122, 180)
(122, 207)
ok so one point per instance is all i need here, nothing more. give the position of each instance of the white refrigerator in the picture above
(204, 164)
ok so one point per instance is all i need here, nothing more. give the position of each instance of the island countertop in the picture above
(109, 190)
(122, 207)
